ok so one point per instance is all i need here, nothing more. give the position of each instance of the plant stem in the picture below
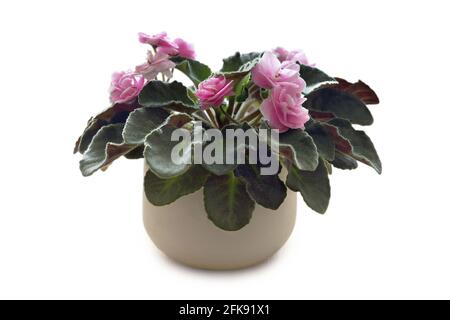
(236, 107)
(212, 117)
(227, 115)
(251, 116)
(231, 104)
(244, 108)
(203, 120)
(256, 120)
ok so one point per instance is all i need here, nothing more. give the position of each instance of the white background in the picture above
(64, 236)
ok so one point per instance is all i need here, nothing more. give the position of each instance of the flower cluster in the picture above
(126, 86)
(281, 75)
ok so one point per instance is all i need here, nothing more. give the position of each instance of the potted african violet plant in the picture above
(226, 154)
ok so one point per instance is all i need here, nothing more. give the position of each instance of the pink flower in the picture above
(164, 45)
(185, 49)
(269, 72)
(281, 53)
(283, 109)
(213, 91)
(125, 86)
(293, 56)
(158, 63)
(159, 39)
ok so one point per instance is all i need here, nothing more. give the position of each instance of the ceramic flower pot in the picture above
(183, 232)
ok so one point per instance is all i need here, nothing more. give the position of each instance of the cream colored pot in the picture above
(183, 232)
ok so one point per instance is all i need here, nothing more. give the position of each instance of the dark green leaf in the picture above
(362, 148)
(217, 142)
(194, 70)
(136, 153)
(314, 78)
(324, 143)
(141, 122)
(106, 146)
(267, 190)
(159, 147)
(339, 103)
(118, 113)
(300, 149)
(162, 192)
(344, 162)
(314, 186)
(161, 94)
(235, 62)
(227, 203)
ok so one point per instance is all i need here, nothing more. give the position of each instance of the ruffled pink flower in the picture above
(293, 56)
(156, 40)
(213, 91)
(163, 44)
(185, 49)
(157, 63)
(283, 109)
(269, 72)
(125, 86)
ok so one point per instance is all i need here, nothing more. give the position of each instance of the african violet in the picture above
(279, 89)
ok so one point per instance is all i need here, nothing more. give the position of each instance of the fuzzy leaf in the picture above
(194, 70)
(106, 146)
(235, 62)
(299, 148)
(118, 113)
(158, 148)
(341, 104)
(344, 162)
(324, 143)
(141, 122)
(362, 148)
(359, 89)
(162, 192)
(314, 186)
(227, 202)
(315, 78)
(136, 153)
(267, 190)
(161, 94)
(219, 169)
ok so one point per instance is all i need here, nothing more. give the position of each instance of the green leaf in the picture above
(359, 89)
(141, 122)
(314, 78)
(117, 113)
(362, 148)
(299, 148)
(227, 203)
(106, 146)
(243, 71)
(194, 70)
(235, 62)
(216, 143)
(344, 162)
(324, 143)
(267, 190)
(159, 147)
(158, 94)
(240, 88)
(136, 153)
(162, 192)
(314, 186)
(341, 104)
